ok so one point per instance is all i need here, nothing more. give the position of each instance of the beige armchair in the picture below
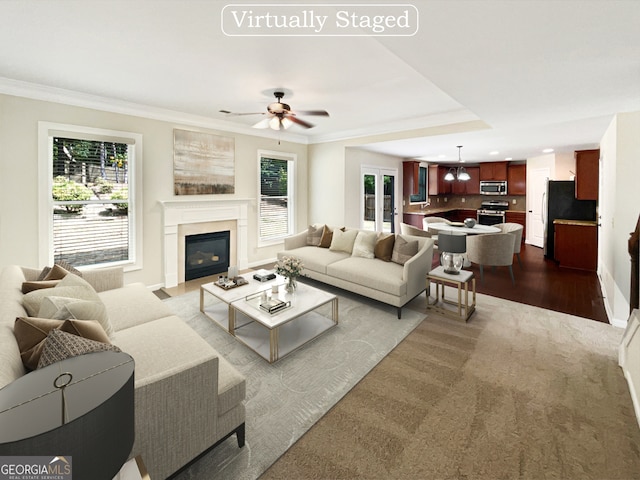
(427, 220)
(492, 249)
(516, 230)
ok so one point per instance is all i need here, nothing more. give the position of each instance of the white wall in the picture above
(619, 209)
(19, 234)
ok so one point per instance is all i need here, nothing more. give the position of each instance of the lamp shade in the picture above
(452, 242)
(449, 176)
(88, 424)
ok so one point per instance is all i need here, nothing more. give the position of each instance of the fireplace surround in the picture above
(192, 217)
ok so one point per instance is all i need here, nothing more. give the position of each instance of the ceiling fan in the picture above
(280, 115)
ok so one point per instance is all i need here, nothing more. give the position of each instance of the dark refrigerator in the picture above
(561, 203)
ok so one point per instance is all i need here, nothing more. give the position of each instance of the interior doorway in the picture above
(378, 199)
(536, 191)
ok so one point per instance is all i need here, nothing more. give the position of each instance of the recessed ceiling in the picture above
(534, 74)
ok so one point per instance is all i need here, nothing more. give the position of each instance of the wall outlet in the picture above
(445, 199)
(463, 200)
(514, 201)
(438, 200)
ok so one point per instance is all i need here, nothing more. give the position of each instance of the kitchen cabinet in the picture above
(576, 244)
(414, 181)
(413, 219)
(471, 186)
(517, 179)
(517, 217)
(493, 171)
(461, 214)
(437, 184)
(587, 174)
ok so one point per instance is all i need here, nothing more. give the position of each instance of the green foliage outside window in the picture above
(65, 190)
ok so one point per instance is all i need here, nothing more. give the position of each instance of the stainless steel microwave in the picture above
(497, 187)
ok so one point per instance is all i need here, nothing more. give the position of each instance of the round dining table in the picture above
(475, 230)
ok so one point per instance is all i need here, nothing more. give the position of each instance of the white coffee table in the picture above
(272, 336)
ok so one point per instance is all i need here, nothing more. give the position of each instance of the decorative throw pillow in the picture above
(403, 250)
(314, 235)
(30, 286)
(327, 236)
(70, 286)
(60, 345)
(384, 247)
(364, 244)
(62, 308)
(59, 270)
(343, 241)
(31, 334)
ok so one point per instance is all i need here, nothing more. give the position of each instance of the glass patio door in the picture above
(379, 207)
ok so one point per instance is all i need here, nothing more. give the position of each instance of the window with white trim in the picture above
(89, 200)
(275, 191)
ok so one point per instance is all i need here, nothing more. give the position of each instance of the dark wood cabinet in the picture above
(517, 179)
(410, 177)
(518, 217)
(576, 244)
(437, 184)
(469, 187)
(413, 219)
(587, 174)
(493, 171)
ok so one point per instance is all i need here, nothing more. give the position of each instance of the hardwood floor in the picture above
(542, 283)
(539, 282)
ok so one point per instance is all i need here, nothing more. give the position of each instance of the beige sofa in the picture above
(187, 397)
(385, 281)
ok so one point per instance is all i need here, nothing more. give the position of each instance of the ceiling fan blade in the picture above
(323, 113)
(302, 123)
(264, 123)
(233, 114)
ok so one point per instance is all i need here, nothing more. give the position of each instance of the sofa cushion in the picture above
(313, 258)
(184, 349)
(314, 235)
(60, 345)
(343, 241)
(132, 305)
(384, 247)
(70, 286)
(364, 244)
(371, 273)
(31, 334)
(62, 308)
(403, 250)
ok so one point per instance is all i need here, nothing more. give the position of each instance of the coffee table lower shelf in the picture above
(278, 342)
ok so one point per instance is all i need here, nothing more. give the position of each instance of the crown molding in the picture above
(45, 93)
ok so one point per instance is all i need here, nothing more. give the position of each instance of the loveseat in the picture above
(389, 268)
(187, 397)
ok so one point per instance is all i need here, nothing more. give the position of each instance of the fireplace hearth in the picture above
(206, 254)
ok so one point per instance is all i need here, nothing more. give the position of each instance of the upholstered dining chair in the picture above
(407, 229)
(516, 230)
(427, 220)
(491, 249)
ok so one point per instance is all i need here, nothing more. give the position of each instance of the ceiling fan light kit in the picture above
(281, 116)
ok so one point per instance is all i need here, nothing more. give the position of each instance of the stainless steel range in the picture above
(492, 212)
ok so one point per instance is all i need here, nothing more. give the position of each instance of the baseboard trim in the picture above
(629, 359)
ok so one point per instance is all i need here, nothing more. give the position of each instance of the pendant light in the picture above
(462, 175)
(449, 176)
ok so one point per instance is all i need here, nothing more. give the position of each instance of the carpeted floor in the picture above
(518, 392)
(286, 398)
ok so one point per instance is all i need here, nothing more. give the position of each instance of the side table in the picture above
(463, 310)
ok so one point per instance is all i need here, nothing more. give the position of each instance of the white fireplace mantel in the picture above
(183, 212)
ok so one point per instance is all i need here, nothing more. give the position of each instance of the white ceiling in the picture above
(539, 74)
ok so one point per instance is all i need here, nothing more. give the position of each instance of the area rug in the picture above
(286, 398)
(518, 392)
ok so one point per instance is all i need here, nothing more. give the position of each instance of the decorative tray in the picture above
(456, 224)
(229, 284)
